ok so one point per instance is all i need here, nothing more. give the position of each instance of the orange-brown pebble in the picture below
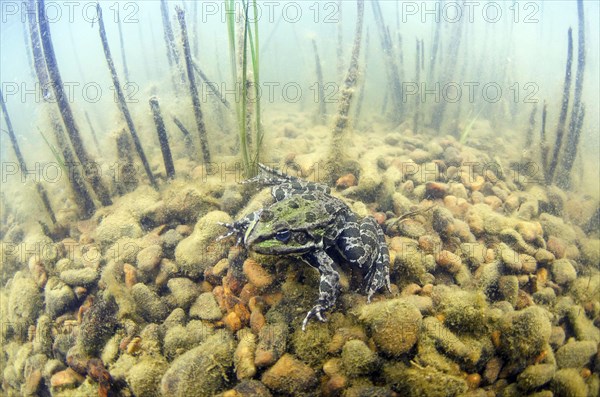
(66, 378)
(124, 343)
(332, 366)
(241, 310)
(428, 243)
(205, 286)
(219, 294)
(427, 289)
(496, 338)
(256, 274)
(130, 275)
(256, 303)
(379, 217)
(232, 284)
(585, 373)
(345, 181)
(134, 346)
(441, 317)
(248, 292)
(449, 261)
(477, 184)
(411, 289)
(257, 321)
(493, 201)
(542, 275)
(473, 380)
(233, 322)
(335, 384)
(541, 357)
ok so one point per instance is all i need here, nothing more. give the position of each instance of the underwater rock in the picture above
(179, 338)
(569, 383)
(149, 304)
(311, 345)
(343, 335)
(590, 250)
(394, 325)
(58, 296)
(256, 274)
(576, 354)
(272, 343)
(149, 258)
(98, 325)
(449, 261)
(199, 251)
(582, 326)
(243, 358)
(289, 375)
(524, 333)
(535, 376)
(43, 336)
(65, 379)
(117, 225)
(358, 359)
(144, 377)
(24, 303)
(345, 181)
(202, 370)
(563, 272)
(555, 226)
(85, 276)
(184, 291)
(206, 308)
(464, 311)
(414, 382)
(248, 388)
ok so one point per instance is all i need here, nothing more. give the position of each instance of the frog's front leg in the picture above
(239, 227)
(329, 285)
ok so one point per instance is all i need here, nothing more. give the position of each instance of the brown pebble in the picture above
(335, 384)
(66, 378)
(233, 322)
(493, 201)
(134, 346)
(242, 312)
(477, 183)
(184, 230)
(130, 275)
(496, 338)
(585, 373)
(436, 189)
(257, 321)
(427, 289)
(256, 274)
(473, 380)
(272, 299)
(345, 181)
(449, 261)
(411, 289)
(248, 292)
(492, 370)
(542, 275)
(379, 217)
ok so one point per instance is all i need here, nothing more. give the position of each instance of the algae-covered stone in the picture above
(24, 303)
(148, 258)
(394, 325)
(248, 388)
(206, 308)
(464, 311)
(311, 345)
(535, 376)
(417, 382)
(183, 290)
(84, 276)
(202, 370)
(358, 359)
(98, 325)
(524, 333)
(563, 272)
(583, 327)
(200, 250)
(576, 354)
(144, 377)
(569, 383)
(243, 358)
(149, 304)
(59, 297)
(289, 375)
(272, 343)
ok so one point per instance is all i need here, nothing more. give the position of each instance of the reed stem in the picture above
(187, 137)
(65, 108)
(162, 137)
(193, 89)
(121, 100)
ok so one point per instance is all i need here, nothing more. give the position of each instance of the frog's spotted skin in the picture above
(307, 222)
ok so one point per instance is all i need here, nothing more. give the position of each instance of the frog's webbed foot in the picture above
(329, 285)
(234, 229)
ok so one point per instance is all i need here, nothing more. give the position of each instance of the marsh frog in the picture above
(307, 222)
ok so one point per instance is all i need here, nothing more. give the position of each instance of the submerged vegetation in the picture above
(116, 278)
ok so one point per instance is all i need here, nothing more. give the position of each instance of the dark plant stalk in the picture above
(529, 134)
(543, 142)
(123, 57)
(93, 131)
(162, 137)
(126, 178)
(65, 108)
(36, 47)
(418, 81)
(193, 89)
(187, 137)
(390, 62)
(121, 100)
(336, 154)
(560, 129)
(211, 86)
(21, 160)
(578, 112)
(321, 89)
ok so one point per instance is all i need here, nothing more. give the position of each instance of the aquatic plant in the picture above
(467, 131)
(250, 155)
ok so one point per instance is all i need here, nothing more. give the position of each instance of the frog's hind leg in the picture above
(329, 285)
(379, 271)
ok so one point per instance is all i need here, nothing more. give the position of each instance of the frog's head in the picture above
(291, 226)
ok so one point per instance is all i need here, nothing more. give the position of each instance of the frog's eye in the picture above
(283, 236)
